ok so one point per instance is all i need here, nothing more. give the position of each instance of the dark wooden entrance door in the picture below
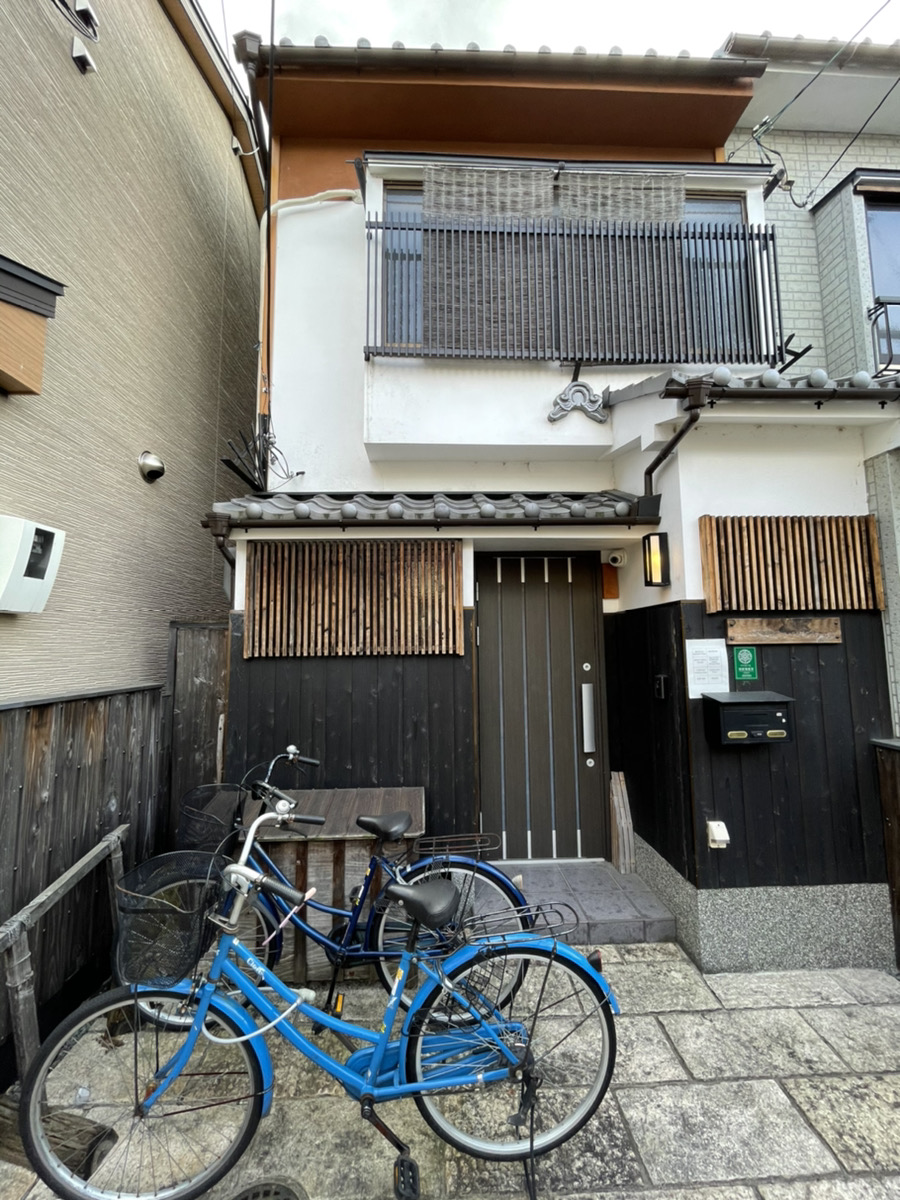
(543, 766)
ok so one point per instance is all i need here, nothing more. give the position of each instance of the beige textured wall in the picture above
(122, 185)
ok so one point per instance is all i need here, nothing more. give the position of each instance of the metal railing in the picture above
(572, 290)
(884, 316)
(15, 945)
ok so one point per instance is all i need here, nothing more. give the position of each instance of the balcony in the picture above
(596, 292)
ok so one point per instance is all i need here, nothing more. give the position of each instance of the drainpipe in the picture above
(220, 527)
(247, 46)
(698, 395)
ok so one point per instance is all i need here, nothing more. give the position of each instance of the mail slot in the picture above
(748, 718)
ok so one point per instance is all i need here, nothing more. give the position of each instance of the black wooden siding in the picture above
(798, 814)
(386, 721)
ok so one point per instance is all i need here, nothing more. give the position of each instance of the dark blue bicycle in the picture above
(371, 930)
(507, 1047)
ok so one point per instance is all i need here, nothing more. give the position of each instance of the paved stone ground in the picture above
(765, 1086)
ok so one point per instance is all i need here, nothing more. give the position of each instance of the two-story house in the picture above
(551, 461)
(129, 289)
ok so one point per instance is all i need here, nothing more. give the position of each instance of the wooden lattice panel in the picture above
(796, 564)
(317, 598)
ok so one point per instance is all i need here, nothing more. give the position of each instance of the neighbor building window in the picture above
(883, 227)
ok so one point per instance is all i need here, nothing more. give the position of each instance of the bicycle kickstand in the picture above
(406, 1170)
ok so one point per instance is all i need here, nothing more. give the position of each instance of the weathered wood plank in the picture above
(749, 631)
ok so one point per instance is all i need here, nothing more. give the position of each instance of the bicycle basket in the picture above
(209, 818)
(163, 905)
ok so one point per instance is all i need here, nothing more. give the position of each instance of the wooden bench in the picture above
(333, 858)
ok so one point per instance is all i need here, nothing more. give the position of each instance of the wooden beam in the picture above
(22, 338)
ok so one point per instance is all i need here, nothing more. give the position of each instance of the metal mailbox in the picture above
(748, 718)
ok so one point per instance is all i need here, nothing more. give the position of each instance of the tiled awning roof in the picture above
(434, 509)
(815, 386)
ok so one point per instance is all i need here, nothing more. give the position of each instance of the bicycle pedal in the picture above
(406, 1178)
(336, 1009)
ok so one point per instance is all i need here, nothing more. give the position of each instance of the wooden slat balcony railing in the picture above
(601, 292)
(790, 564)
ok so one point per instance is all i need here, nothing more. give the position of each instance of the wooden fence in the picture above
(15, 942)
(71, 771)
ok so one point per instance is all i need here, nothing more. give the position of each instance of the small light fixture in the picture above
(656, 559)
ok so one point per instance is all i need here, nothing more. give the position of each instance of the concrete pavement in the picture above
(763, 1086)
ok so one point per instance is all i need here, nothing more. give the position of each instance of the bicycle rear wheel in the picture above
(559, 1026)
(80, 1114)
(481, 892)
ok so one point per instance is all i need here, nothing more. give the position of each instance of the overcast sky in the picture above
(698, 26)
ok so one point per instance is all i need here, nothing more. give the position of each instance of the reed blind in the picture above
(783, 564)
(312, 599)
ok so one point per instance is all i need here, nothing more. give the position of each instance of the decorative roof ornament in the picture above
(580, 395)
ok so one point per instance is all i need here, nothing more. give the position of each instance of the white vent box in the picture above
(29, 560)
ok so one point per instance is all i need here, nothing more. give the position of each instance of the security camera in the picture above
(151, 466)
(617, 558)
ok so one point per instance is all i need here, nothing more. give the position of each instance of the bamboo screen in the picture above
(780, 564)
(308, 598)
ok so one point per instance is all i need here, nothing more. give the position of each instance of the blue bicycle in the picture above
(507, 1047)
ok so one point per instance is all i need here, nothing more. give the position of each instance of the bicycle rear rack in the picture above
(555, 919)
(469, 845)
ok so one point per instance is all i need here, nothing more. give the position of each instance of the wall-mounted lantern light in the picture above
(656, 559)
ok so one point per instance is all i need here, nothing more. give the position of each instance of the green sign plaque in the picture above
(745, 663)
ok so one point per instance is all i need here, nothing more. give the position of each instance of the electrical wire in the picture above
(859, 132)
(765, 125)
(85, 28)
(789, 187)
(770, 121)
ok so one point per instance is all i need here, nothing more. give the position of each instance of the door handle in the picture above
(587, 718)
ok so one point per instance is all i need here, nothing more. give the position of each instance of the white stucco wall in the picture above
(419, 425)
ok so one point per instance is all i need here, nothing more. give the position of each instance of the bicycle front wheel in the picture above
(81, 1115)
(558, 1027)
(482, 893)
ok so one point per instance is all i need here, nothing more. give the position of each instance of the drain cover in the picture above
(268, 1191)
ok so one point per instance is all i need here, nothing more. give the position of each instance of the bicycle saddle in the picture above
(390, 827)
(431, 903)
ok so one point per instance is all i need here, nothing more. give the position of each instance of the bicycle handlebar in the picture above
(290, 754)
(293, 755)
(281, 802)
(267, 884)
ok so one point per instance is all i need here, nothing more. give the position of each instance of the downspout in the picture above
(220, 527)
(698, 395)
(248, 46)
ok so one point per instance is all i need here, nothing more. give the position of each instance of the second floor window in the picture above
(402, 250)
(598, 267)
